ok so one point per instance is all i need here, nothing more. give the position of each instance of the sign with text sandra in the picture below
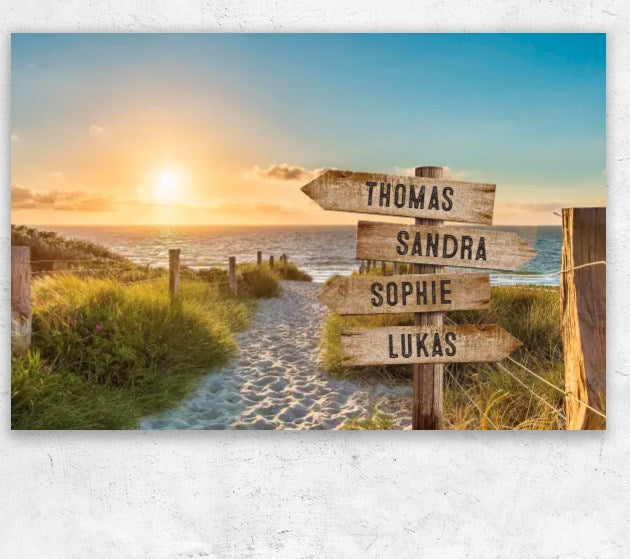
(407, 293)
(443, 246)
(346, 191)
(397, 345)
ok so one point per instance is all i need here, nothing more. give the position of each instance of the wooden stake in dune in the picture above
(583, 291)
(271, 261)
(232, 274)
(173, 273)
(421, 196)
(407, 293)
(452, 246)
(428, 344)
(21, 319)
(259, 258)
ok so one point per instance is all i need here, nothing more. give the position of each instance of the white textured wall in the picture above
(287, 494)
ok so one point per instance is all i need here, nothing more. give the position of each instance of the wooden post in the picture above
(426, 410)
(369, 266)
(285, 263)
(259, 258)
(583, 295)
(173, 273)
(271, 261)
(383, 266)
(232, 274)
(396, 269)
(21, 321)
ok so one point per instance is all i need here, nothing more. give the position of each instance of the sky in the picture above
(202, 129)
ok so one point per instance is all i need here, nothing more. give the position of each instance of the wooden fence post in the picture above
(259, 258)
(21, 320)
(396, 269)
(583, 295)
(173, 273)
(271, 261)
(426, 411)
(285, 264)
(232, 274)
(369, 266)
(383, 266)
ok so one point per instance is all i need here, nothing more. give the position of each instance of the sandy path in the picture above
(275, 382)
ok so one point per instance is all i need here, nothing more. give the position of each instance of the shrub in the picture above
(257, 282)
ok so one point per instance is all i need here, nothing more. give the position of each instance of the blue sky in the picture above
(222, 112)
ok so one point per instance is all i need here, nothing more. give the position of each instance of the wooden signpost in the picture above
(443, 246)
(429, 291)
(398, 345)
(345, 191)
(407, 293)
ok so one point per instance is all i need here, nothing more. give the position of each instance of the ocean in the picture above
(322, 251)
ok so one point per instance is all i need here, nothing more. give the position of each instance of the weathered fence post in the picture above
(271, 261)
(173, 273)
(259, 258)
(285, 264)
(396, 269)
(583, 294)
(369, 266)
(426, 411)
(21, 320)
(232, 274)
(383, 267)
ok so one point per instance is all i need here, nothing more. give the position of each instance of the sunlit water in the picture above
(322, 251)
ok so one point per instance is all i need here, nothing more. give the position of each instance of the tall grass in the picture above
(532, 314)
(105, 354)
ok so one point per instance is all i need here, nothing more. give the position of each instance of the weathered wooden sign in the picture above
(397, 345)
(443, 246)
(407, 293)
(470, 202)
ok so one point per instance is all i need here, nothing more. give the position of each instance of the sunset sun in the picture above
(166, 187)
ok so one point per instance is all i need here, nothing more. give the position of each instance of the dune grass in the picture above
(532, 314)
(105, 354)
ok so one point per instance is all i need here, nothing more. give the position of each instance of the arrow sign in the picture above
(407, 293)
(445, 199)
(425, 344)
(442, 246)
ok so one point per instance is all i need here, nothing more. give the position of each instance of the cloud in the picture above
(260, 209)
(281, 172)
(97, 131)
(535, 206)
(14, 138)
(70, 200)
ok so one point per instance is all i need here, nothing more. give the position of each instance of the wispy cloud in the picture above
(14, 137)
(282, 172)
(70, 200)
(97, 131)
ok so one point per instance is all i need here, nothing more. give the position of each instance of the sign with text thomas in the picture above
(346, 191)
(407, 293)
(442, 246)
(398, 345)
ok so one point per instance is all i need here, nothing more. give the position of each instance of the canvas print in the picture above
(305, 231)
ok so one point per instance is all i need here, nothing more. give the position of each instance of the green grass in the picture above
(105, 354)
(532, 314)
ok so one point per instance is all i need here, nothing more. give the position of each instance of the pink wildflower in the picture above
(98, 328)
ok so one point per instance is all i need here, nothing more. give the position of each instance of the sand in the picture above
(275, 381)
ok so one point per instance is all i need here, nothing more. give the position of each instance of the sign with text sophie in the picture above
(396, 345)
(346, 191)
(407, 293)
(442, 246)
